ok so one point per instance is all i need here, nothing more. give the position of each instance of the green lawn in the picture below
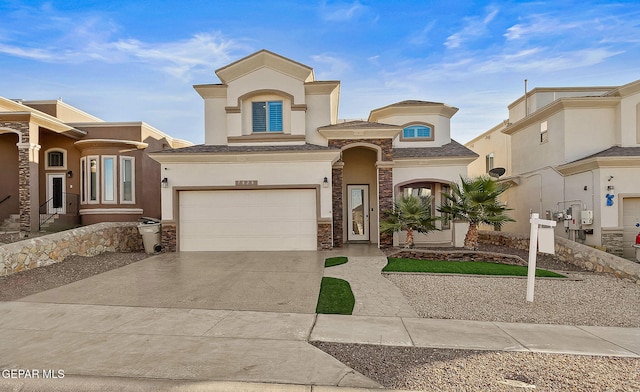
(331, 261)
(335, 297)
(462, 267)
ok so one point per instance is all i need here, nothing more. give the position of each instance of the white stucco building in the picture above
(279, 171)
(571, 151)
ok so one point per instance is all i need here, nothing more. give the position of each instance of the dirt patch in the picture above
(74, 268)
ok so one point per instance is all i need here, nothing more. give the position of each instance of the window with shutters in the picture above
(267, 116)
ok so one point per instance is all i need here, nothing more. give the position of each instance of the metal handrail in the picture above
(5, 199)
(69, 200)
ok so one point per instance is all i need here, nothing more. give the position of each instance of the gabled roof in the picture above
(359, 129)
(261, 59)
(452, 149)
(412, 107)
(615, 151)
(615, 156)
(353, 124)
(213, 149)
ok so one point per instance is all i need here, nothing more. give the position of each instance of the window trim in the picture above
(98, 176)
(114, 181)
(544, 132)
(489, 158)
(445, 224)
(64, 159)
(418, 139)
(421, 184)
(133, 179)
(267, 115)
(83, 180)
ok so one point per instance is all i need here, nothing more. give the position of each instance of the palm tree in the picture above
(476, 201)
(410, 213)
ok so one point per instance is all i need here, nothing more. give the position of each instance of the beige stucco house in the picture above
(279, 171)
(571, 154)
(60, 164)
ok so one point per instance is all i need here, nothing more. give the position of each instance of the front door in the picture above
(358, 212)
(55, 189)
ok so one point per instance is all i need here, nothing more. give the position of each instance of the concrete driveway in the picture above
(260, 281)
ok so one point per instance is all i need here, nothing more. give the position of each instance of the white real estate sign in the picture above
(543, 239)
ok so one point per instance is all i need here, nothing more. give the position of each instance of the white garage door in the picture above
(248, 220)
(631, 212)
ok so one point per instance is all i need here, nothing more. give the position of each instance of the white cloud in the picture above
(474, 27)
(539, 25)
(333, 67)
(342, 12)
(179, 58)
(28, 53)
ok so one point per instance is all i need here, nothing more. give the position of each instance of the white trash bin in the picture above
(151, 235)
(637, 248)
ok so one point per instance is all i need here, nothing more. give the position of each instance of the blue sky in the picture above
(137, 60)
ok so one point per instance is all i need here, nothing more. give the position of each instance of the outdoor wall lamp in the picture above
(69, 174)
(165, 182)
(325, 183)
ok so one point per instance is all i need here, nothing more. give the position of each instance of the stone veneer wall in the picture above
(336, 195)
(572, 252)
(54, 248)
(169, 237)
(613, 242)
(24, 171)
(325, 240)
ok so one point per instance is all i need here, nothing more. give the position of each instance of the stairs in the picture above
(11, 224)
(50, 220)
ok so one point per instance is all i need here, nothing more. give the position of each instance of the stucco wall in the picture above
(583, 256)
(54, 248)
(266, 173)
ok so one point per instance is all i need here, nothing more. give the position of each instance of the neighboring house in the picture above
(64, 165)
(574, 149)
(279, 171)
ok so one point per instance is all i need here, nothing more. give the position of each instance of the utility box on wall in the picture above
(575, 212)
(587, 217)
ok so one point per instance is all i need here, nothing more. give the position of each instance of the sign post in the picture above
(546, 246)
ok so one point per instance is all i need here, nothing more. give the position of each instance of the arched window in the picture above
(55, 158)
(418, 132)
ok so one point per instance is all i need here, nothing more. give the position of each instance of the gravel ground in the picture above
(74, 268)
(467, 370)
(584, 299)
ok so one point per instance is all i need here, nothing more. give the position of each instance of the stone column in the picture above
(169, 236)
(28, 187)
(385, 195)
(337, 205)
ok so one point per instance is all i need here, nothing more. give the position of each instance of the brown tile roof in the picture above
(360, 124)
(617, 151)
(453, 149)
(210, 149)
(416, 102)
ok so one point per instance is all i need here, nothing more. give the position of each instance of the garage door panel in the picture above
(280, 219)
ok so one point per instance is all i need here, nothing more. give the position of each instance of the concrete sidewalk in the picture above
(198, 347)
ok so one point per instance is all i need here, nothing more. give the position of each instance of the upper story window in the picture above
(489, 161)
(418, 132)
(267, 116)
(544, 132)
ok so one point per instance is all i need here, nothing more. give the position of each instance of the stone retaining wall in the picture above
(457, 255)
(54, 248)
(571, 252)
